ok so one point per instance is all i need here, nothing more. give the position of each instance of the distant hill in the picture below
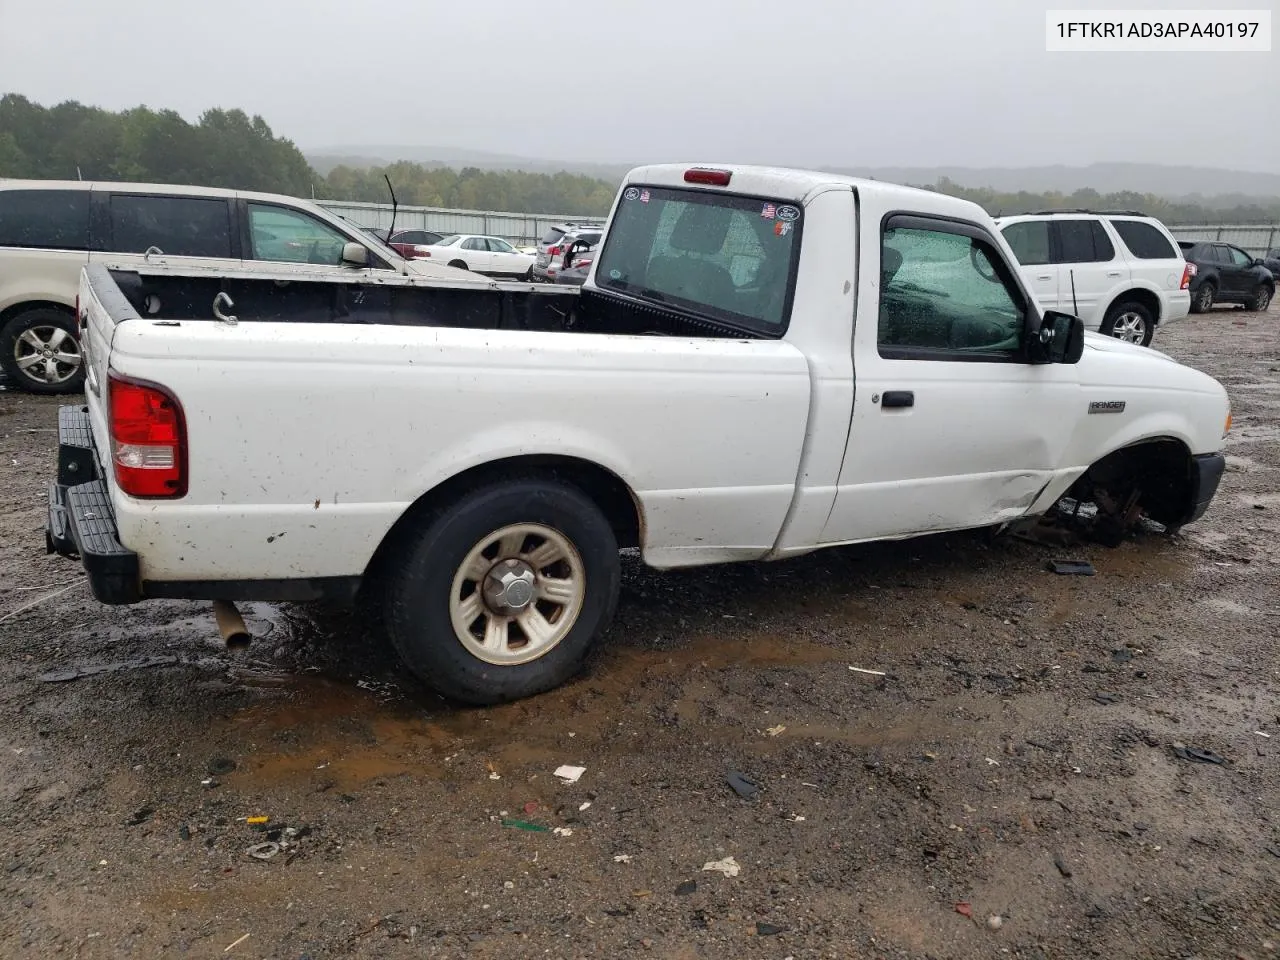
(1174, 182)
(324, 159)
(1166, 180)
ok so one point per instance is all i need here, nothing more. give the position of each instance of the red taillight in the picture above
(554, 251)
(714, 178)
(1188, 271)
(421, 251)
(148, 439)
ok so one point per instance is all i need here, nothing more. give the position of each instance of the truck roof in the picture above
(785, 183)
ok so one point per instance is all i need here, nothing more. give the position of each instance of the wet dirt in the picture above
(884, 800)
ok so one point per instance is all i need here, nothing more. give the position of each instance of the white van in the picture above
(1121, 273)
(49, 229)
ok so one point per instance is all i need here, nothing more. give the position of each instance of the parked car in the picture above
(409, 243)
(1272, 262)
(1227, 274)
(488, 255)
(553, 233)
(50, 229)
(557, 256)
(575, 275)
(763, 363)
(1122, 274)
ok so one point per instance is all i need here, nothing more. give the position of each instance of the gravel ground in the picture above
(1016, 761)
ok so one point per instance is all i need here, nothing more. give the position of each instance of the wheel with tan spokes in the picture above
(502, 593)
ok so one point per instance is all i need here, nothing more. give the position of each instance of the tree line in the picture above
(228, 148)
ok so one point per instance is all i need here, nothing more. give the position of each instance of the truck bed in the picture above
(258, 297)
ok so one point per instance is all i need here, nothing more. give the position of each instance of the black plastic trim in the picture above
(1206, 474)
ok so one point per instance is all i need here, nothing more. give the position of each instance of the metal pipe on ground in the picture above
(231, 625)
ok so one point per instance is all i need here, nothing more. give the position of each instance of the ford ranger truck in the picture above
(761, 363)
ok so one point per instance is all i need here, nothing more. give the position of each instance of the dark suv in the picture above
(1226, 274)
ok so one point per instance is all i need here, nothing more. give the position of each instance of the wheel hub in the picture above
(509, 586)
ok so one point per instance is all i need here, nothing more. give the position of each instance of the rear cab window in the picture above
(1144, 241)
(45, 219)
(727, 258)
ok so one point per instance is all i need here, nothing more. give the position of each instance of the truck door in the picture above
(951, 428)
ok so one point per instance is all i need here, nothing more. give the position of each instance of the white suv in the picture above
(1121, 273)
(49, 229)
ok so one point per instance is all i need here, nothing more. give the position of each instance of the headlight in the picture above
(1226, 427)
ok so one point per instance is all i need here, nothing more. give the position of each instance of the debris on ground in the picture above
(584, 805)
(995, 922)
(1072, 568)
(263, 851)
(742, 785)
(531, 807)
(220, 766)
(255, 821)
(622, 858)
(767, 929)
(232, 946)
(568, 774)
(728, 866)
(1183, 752)
(526, 825)
(1122, 655)
(686, 888)
(1106, 699)
(774, 731)
(873, 673)
(965, 909)
(563, 832)
(1061, 864)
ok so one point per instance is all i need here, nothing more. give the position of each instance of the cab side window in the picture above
(1239, 258)
(946, 294)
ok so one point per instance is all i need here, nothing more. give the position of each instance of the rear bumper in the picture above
(1206, 474)
(81, 522)
(1179, 305)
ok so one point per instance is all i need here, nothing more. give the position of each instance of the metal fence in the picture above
(519, 228)
(1255, 239)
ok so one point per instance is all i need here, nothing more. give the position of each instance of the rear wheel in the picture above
(1131, 322)
(1204, 298)
(501, 594)
(40, 353)
(460, 264)
(1261, 298)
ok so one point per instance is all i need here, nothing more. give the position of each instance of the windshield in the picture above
(730, 258)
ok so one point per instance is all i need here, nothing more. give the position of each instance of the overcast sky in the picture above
(817, 82)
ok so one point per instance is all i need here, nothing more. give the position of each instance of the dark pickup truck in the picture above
(1226, 274)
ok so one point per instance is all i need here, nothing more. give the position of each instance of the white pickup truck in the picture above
(762, 362)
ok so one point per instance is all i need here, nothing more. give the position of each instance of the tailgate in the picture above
(100, 308)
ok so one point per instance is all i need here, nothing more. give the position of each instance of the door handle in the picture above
(1113, 273)
(1045, 276)
(898, 398)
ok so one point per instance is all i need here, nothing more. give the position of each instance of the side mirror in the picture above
(1059, 339)
(355, 255)
(1258, 262)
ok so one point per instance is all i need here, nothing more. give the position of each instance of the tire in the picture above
(1130, 321)
(1261, 298)
(1202, 302)
(460, 264)
(430, 595)
(40, 352)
